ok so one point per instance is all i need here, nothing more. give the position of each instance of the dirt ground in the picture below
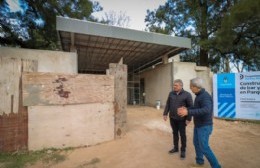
(236, 145)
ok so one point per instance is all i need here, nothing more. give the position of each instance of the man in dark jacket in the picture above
(178, 98)
(202, 114)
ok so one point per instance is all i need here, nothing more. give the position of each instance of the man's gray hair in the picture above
(178, 81)
(197, 82)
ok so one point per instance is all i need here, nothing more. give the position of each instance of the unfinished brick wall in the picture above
(14, 132)
(13, 115)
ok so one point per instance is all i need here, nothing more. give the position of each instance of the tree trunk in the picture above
(204, 33)
(203, 58)
(227, 66)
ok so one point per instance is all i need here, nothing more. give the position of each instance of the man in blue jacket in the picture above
(178, 98)
(202, 114)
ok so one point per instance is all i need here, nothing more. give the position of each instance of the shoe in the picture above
(183, 155)
(196, 165)
(174, 150)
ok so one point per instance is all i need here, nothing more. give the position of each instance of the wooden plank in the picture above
(120, 73)
(10, 76)
(10, 70)
(61, 89)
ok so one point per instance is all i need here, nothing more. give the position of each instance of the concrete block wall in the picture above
(48, 61)
(81, 113)
(70, 125)
(119, 71)
(13, 115)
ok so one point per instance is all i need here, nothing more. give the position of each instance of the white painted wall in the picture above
(207, 76)
(48, 61)
(158, 81)
(70, 125)
(184, 71)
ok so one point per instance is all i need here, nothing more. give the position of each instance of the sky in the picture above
(135, 9)
(14, 5)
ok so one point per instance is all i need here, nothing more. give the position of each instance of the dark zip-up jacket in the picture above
(202, 112)
(175, 101)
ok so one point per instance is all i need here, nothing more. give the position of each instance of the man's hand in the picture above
(182, 111)
(187, 122)
(165, 117)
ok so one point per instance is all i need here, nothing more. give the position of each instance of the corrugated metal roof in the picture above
(98, 45)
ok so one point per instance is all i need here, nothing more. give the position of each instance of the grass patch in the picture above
(21, 159)
(54, 158)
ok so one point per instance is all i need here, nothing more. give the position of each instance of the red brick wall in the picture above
(14, 128)
(14, 132)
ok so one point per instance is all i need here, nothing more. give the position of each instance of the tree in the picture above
(238, 38)
(223, 33)
(116, 19)
(34, 25)
(197, 19)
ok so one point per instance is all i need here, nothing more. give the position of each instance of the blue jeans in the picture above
(201, 144)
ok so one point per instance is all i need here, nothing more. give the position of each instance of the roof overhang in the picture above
(97, 45)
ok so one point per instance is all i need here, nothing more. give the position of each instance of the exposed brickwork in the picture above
(14, 128)
(13, 132)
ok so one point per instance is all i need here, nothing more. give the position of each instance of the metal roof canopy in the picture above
(97, 45)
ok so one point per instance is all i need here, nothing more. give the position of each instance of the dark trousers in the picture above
(178, 127)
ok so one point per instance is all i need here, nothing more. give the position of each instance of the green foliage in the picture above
(196, 19)
(239, 35)
(55, 158)
(222, 32)
(21, 159)
(34, 26)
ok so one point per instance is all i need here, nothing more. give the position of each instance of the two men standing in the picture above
(202, 113)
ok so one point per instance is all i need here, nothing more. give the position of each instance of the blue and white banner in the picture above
(237, 95)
